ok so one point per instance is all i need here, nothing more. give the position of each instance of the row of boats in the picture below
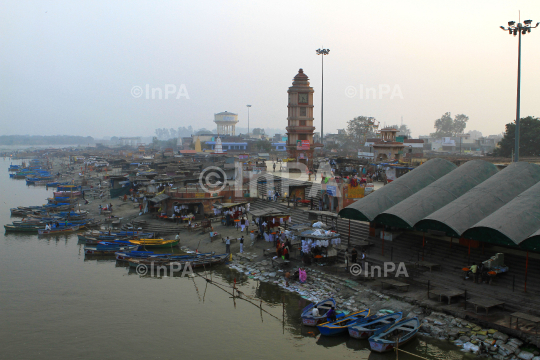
(128, 246)
(384, 332)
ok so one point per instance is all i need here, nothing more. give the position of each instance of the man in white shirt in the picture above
(228, 245)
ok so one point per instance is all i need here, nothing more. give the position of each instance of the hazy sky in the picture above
(70, 67)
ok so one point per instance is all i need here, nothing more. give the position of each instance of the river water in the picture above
(55, 304)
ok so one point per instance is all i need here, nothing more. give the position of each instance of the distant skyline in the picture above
(88, 67)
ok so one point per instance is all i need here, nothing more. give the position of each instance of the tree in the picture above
(529, 133)
(447, 127)
(263, 145)
(360, 128)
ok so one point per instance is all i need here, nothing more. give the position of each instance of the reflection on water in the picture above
(58, 303)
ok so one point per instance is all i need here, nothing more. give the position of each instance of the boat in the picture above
(59, 230)
(342, 325)
(108, 248)
(126, 255)
(155, 243)
(368, 326)
(309, 320)
(66, 193)
(397, 335)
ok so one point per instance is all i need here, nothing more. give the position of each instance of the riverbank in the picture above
(322, 281)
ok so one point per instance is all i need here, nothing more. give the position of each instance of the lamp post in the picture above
(322, 52)
(248, 106)
(519, 29)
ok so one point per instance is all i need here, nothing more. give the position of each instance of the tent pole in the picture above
(349, 242)
(526, 268)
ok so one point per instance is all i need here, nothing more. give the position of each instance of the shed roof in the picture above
(159, 198)
(513, 223)
(437, 194)
(367, 208)
(483, 200)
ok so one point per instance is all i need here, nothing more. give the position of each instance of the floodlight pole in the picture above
(322, 52)
(518, 29)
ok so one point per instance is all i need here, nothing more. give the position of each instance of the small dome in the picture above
(301, 76)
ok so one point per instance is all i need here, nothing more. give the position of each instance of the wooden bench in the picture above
(396, 284)
(485, 303)
(428, 264)
(527, 317)
(447, 293)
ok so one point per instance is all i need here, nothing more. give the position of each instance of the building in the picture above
(300, 120)
(226, 123)
(387, 147)
(129, 141)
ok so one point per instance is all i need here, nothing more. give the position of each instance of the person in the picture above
(228, 245)
(83, 194)
(274, 167)
(110, 207)
(85, 202)
(354, 255)
(241, 245)
(100, 208)
(286, 251)
(177, 237)
(331, 315)
(315, 312)
(243, 226)
(302, 275)
(472, 271)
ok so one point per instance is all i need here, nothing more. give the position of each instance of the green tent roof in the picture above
(513, 223)
(367, 208)
(437, 194)
(483, 200)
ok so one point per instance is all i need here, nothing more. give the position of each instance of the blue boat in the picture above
(342, 325)
(307, 317)
(368, 326)
(389, 337)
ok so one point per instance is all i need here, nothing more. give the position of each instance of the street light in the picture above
(322, 52)
(519, 29)
(248, 106)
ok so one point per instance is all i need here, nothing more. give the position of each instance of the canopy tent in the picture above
(437, 194)
(269, 212)
(226, 206)
(513, 224)
(482, 200)
(367, 208)
(159, 198)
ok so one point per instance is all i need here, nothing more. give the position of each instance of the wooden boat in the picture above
(66, 193)
(126, 255)
(155, 243)
(14, 228)
(368, 326)
(108, 249)
(309, 320)
(60, 230)
(342, 325)
(387, 338)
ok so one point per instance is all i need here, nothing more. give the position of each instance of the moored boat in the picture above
(307, 317)
(387, 338)
(108, 248)
(59, 230)
(155, 243)
(368, 326)
(341, 325)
